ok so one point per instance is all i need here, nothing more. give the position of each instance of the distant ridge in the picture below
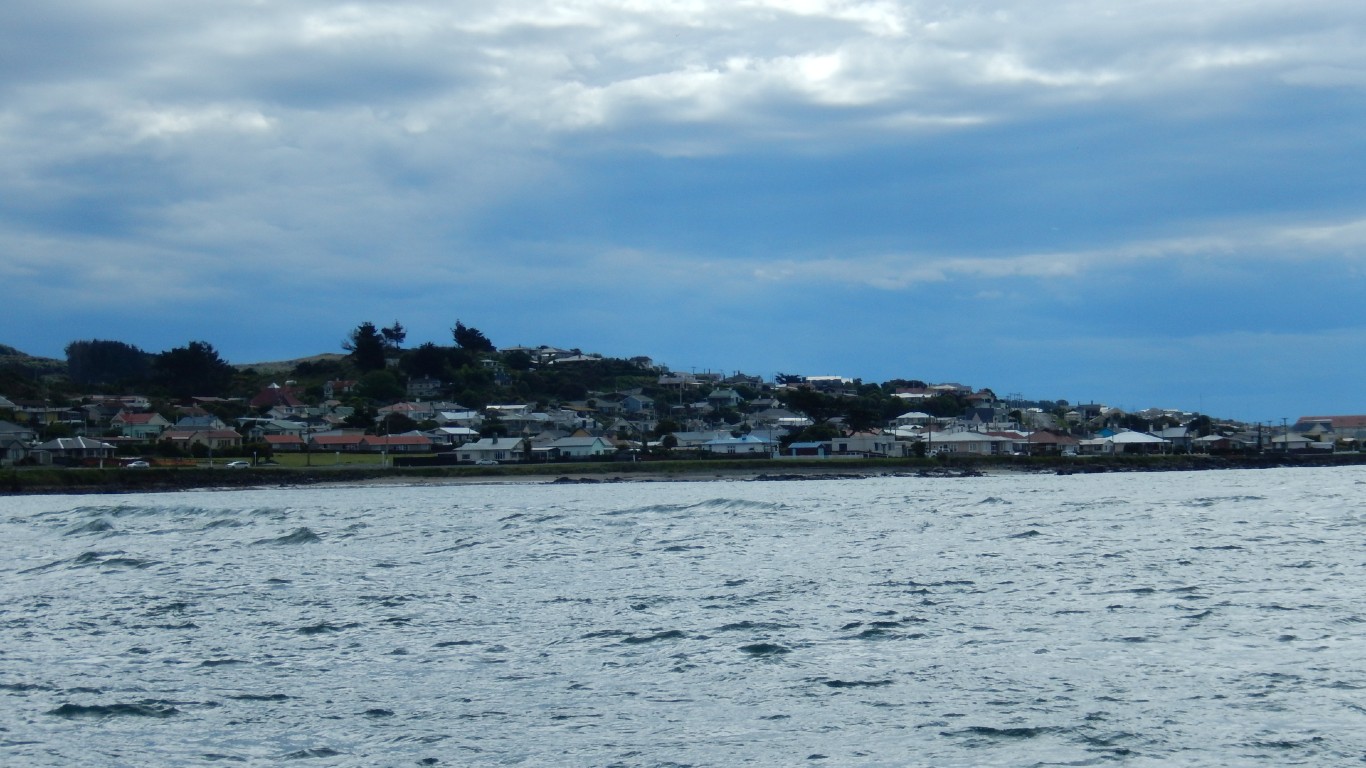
(285, 366)
(10, 357)
(15, 358)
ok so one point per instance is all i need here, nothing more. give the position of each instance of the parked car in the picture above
(138, 464)
(486, 461)
(237, 464)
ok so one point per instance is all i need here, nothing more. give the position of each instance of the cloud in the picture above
(750, 159)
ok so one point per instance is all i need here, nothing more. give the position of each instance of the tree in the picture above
(819, 406)
(471, 339)
(493, 425)
(363, 417)
(427, 360)
(397, 423)
(381, 385)
(1134, 422)
(366, 345)
(518, 360)
(394, 336)
(194, 369)
(1201, 425)
(106, 362)
(863, 414)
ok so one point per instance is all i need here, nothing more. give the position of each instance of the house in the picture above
(865, 444)
(912, 419)
(1019, 443)
(459, 418)
(915, 393)
(258, 429)
(12, 451)
(11, 431)
(284, 443)
(637, 403)
(1215, 443)
(277, 397)
(1332, 428)
(68, 450)
(452, 435)
(345, 442)
(976, 443)
(589, 358)
(37, 412)
(724, 398)
(200, 421)
(818, 449)
(141, 426)
(1179, 437)
(827, 383)
(213, 439)
(414, 410)
(1044, 443)
(409, 442)
(778, 417)
(424, 386)
(1139, 442)
(337, 387)
(582, 447)
(696, 440)
(744, 444)
(982, 398)
(493, 449)
(1297, 443)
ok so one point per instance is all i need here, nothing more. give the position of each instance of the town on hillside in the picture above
(112, 404)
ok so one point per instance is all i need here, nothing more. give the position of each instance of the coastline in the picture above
(30, 481)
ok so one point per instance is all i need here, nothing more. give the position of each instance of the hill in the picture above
(16, 360)
(286, 366)
(25, 376)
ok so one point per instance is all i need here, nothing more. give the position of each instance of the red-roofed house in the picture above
(143, 426)
(408, 443)
(349, 442)
(281, 399)
(1042, 443)
(290, 443)
(1332, 428)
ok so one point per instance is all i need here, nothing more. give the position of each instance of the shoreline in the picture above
(49, 481)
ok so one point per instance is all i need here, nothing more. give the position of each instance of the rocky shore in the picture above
(56, 481)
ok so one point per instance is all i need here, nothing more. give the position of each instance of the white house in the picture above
(744, 444)
(452, 435)
(581, 447)
(912, 419)
(977, 443)
(493, 449)
(1139, 442)
(865, 444)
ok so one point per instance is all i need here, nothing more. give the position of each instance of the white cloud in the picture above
(1234, 246)
(159, 123)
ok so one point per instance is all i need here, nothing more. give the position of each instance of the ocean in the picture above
(1183, 618)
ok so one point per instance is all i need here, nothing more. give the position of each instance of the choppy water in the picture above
(1175, 619)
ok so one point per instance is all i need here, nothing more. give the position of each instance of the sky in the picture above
(1145, 204)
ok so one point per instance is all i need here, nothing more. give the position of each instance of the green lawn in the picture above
(318, 459)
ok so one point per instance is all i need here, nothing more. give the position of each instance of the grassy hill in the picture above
(26, 376)
(286, 366)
